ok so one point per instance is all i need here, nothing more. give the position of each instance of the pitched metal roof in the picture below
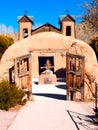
(66, 18)
(29, 18)
(47, 24)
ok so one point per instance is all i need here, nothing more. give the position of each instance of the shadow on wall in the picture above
(60, 73)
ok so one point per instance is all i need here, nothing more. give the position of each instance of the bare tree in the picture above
(90, 12)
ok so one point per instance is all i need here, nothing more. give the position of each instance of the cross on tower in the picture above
(67, 11)
(25, 12)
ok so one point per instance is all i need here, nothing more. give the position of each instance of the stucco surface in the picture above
(46, 41)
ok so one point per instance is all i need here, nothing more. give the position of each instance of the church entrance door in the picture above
(42, 63)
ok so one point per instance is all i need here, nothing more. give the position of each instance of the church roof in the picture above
(46, 25)
(25, 18)
(66, 18)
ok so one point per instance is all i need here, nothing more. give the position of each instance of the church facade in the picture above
(25, 59)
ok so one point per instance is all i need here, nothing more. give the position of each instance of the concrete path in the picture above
(50, 111)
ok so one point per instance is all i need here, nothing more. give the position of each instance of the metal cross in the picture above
(67, 11)
(25, 12)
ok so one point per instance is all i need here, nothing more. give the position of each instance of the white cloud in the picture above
(6, 30)
(3, 29)
(37, 25)
(10, 30)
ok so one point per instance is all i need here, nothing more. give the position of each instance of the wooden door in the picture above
(75, 65)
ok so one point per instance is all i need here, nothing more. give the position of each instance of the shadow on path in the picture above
(61, 86)
(48, 95)
(57, 91)
(82, 121)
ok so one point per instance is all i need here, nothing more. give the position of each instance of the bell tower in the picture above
(67, 25)
(25, 26)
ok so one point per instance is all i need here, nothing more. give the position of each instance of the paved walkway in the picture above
(50, 111)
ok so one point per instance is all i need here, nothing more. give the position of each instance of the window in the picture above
(23, 65)
(12, 75)
(68, 31)
(25, 32)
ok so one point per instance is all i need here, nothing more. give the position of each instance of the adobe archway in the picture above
(47, 44)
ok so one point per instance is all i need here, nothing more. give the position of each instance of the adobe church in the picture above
(27, 57)
(67, 25)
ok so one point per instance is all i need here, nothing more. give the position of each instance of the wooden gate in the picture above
(75, 65)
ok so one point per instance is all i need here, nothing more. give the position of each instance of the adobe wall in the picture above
(48, 44)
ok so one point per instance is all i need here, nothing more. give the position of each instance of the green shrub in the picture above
(5, 42)
(10, 95)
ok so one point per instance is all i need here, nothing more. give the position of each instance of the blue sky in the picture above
(43, 11)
